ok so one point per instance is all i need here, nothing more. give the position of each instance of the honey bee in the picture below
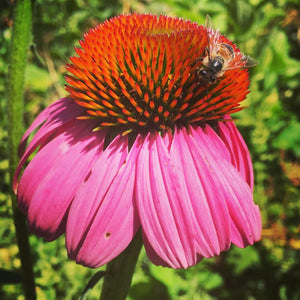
(219, 57)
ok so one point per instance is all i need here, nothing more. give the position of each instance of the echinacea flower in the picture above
(141, 143)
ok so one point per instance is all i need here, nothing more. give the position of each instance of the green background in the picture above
(269, 31)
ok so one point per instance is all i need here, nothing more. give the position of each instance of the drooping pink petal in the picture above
(157, 185)
(54, 175)
(184, 206)
(205, 191)
(102, 218)
(240, 156)
(53, 119)
(245, 215)
(178, 223)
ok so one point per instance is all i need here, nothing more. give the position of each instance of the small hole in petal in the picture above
(107, 235)
(87, 176)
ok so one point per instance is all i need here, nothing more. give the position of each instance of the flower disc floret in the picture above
(138, 73)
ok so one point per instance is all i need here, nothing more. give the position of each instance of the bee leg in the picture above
(206, 52)
(195, 87)
(196, 60)
(207, 93)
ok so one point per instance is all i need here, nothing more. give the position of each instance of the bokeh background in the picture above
(268, 31)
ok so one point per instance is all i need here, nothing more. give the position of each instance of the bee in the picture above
(218, 57)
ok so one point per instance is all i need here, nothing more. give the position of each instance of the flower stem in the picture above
(117, 282)
(21, 36)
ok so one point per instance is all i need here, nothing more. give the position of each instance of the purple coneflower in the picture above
(140, 143)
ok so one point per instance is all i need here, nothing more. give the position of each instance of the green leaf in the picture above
(289, 138)
(37, 79)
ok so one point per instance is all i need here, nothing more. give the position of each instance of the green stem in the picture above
(117, 282)
(21, 36)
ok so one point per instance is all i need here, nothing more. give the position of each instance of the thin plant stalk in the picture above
(119, 271)
(21, 36)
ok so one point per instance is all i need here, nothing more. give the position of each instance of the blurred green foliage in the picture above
(266, 30)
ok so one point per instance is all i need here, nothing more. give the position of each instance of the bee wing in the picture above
(250, 61)
(213, 35)
(243, 62)
(209, 23)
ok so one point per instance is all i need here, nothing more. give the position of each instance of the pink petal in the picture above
(102, 219)
(245, 215)
(55, 118)
(240, 156)
(52, 178)
(186, 204)
(178, 227)
(157, 214)
(202, 183)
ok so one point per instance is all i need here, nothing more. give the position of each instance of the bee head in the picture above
(206, 76)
